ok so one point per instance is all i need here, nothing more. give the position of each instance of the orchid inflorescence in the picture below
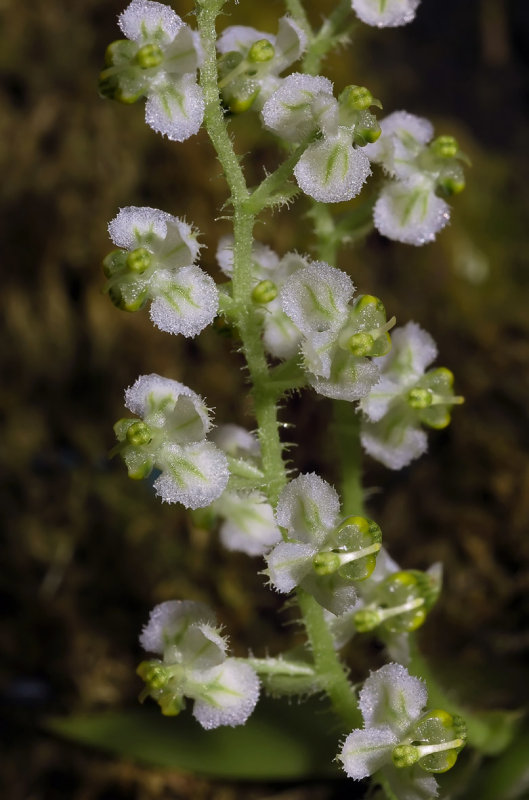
(307, 328)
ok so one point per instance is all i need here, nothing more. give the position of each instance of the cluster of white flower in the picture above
(194, 664)
(398, 740)
(385, 13)
(170, 436)
(156, 261)
(409, 209)
(158, 60)
(406, 397)
(322, 555)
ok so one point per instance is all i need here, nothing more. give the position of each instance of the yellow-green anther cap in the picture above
(326, 563)
(366, 619)
(139, 260)
(420, 398)
(360, 344)
(405, 755)
(261, 51)
(358, 98)
(139, 434)
(149, 56)
(153, 673)
(264, 292)
(445, 147)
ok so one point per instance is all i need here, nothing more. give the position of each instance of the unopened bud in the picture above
(114, 263)
(445, 147)
(139, 434)
(260, 51)
(360, 344)
(149, 56)
(358, 98)
(139, 260)
(153, 673)
(326, 562)
(264, 292)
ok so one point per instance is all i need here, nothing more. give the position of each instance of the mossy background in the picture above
(87, 552)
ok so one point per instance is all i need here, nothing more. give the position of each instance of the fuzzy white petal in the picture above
(332, 170)
(184, 54)
(402, 138)
(353, 382)
(168, 621)
(184, 303)
(288, 564)
(410, 212)
(175, 108)
(377, 402)
(201, 647)
(291, 43)
(391, 696)
(193, 475)
(388, 15)
(249, 525)
(229, 695)
(366, 751)
(413, 350)
(316, 298)
(137, 226)
(397, 450)
(411, 784)
(171, 405)
(308, 507)
(148, 21)
(280, 336)
(299, 106)
(236, 441)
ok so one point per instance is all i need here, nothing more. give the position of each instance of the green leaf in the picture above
(279, 742)
(506, 777)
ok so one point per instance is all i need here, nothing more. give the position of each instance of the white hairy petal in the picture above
(402, 138)
(289, 563)
(184, 54)
(414, 784)
(139, 227)
(354, 380)
(147, 21)
(391, 696)
(168, 621)
(228, 695)
(193, 475)
(291, 43)
(332, 170)
(334, 593)
(366, 751)
(168, 404)
(308, 507)
(410, 211)
(299, 106)
(263, 256)
(236, 441)
(389, 14)
(180, 246)
(316, 298)
(241, 38)
(175, 108)
(397, 450)
(413, 350)
(201, 647)
(281, 338)
(375, 405)
(249, 525)
(184, 303)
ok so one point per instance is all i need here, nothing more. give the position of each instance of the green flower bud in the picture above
(153, 673)
(132, 303)
(149, 56)
(445, 147)
(360, 344)
(366, 619)
(370, 300)
(326, 562)
(241, 96)
(114, 263)
(405, 755)
(139, 434)
(358, 98)
(420, 398)
(264, 292)
(139, 260)
(261, 51)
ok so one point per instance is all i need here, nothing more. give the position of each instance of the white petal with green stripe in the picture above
(332, 170)
(410, 211)
(183, 303)
(385, 13)
(227, 694)
(175, 108)
(308, 508)
(366, 751)
(193, 475)
(316, 298)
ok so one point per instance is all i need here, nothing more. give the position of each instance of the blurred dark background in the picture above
(86, 552)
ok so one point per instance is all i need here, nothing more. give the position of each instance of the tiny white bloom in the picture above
(410, 212)
(195, 665)
(156, 263)
(385, 13)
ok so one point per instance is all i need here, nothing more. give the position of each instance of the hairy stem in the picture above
(346, 429)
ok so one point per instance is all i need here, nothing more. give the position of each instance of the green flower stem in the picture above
(327, 37)
(333, 676)
(272, 189)
(346, 431)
